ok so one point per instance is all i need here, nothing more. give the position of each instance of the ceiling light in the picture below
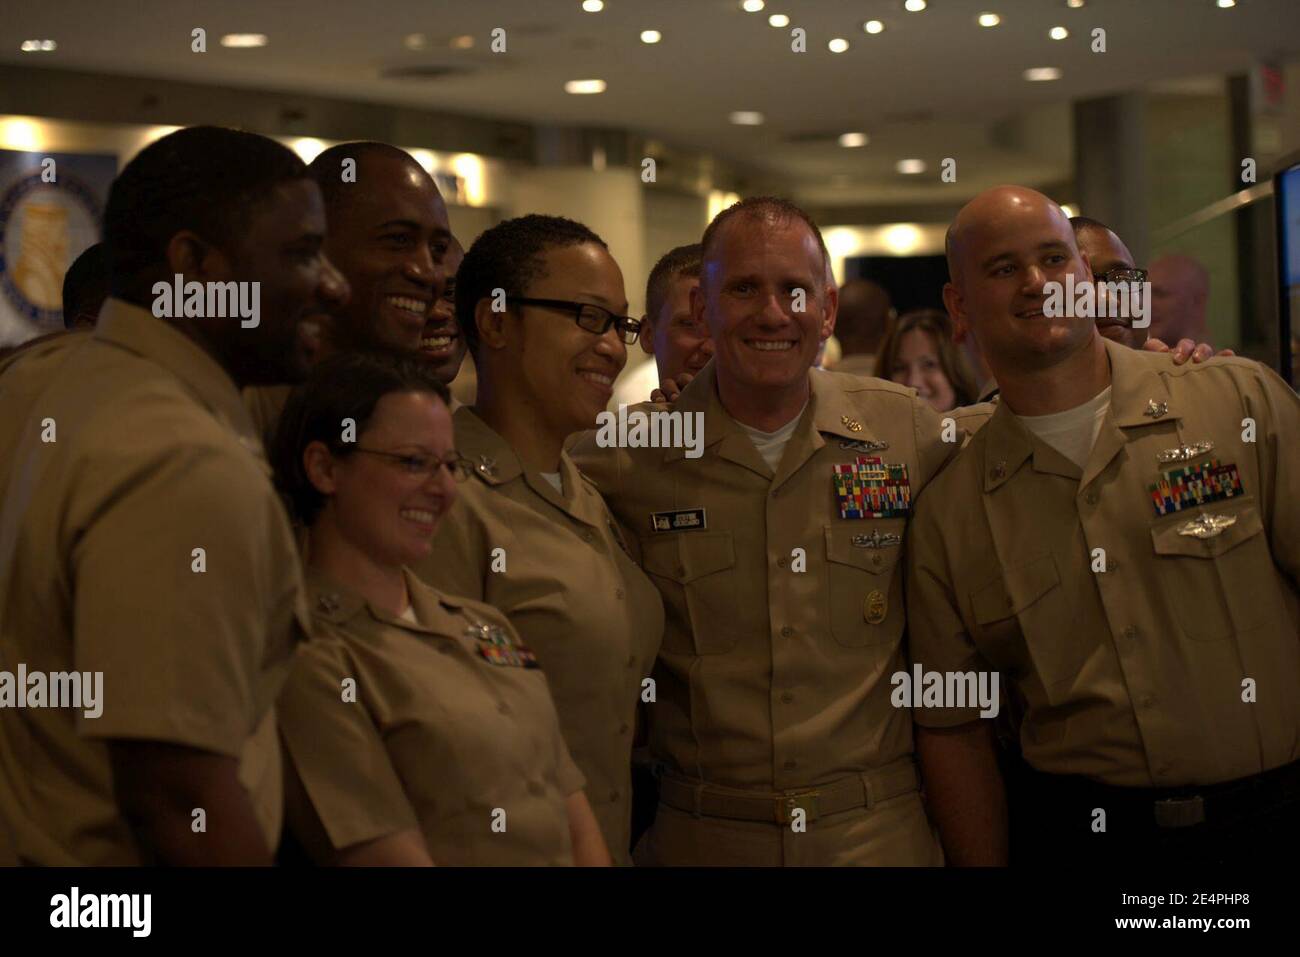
(902, 239)
(746, 118)
(914, 6)
(988, 19)
(853, 139)
(415, 41)
(752, 6)
(1074, 4)
(1070, 210)
(1040, 74)
(579, 87)
(244, 41)
(1058, 33)
(873, 26)
(593, 6)
(38, 46)
(838, 45)
(910, 167)
(651, 36)
(307, 147)
(1226, 4)
(463, 42)
(778, 20)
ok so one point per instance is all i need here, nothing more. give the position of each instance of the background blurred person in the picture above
(1180, 294)
(1110, 261)
(449, 751)
(85, 287)
(920, 352)
(442, 345)
(531, 535)
(668, 331)
(863, 321)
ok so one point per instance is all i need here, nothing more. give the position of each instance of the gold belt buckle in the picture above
(1180, 813)
(803, 800)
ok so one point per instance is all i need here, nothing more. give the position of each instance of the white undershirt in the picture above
(409, 615)
(1073, 432)
(771, 445)
(555, 480)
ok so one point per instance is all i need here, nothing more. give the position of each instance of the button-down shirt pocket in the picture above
(862, 606)
(1028, 599)
(696, 572)
(1209, 561)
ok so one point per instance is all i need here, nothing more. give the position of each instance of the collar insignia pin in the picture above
(853, 425)
(1156, 409)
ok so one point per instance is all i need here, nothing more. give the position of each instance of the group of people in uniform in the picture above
(341, 618)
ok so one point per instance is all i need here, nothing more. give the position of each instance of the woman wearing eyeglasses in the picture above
(418, 726)
(541, 304)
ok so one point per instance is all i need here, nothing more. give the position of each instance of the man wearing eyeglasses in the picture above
(541, 304)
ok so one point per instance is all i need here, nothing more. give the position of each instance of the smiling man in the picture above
(1120, 541)
(1110, 261)
(776, 554)
(388, 234)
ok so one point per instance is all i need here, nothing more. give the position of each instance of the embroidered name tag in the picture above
(1195, 485)
(870, 488)
(682, 520)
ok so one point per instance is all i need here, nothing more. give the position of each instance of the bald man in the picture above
(1180, 292)
(388, 234)
(1120, 545)
(865, 314)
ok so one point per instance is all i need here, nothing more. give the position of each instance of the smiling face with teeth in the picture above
(389, 235)
(386, 515)
(748, 296)
(442, 344)
(1004, 247)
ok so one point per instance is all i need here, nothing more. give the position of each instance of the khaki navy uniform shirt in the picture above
(148, 457)
(785, 620)
(555, 565)
(265, 405)
(1180, 662)
(449, 728)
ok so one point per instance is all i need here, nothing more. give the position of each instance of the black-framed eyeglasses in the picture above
(417, 463)
(1123, 274)
(593, 318)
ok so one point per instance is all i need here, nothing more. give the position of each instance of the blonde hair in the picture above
(938, 327)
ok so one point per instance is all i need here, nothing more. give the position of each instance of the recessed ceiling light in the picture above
(752, 6)
(38, 46)
(415, 41)
(651, 36)
(1226, 4)
(580, 87)
(914, 6)
(778, 20)
(873, 26)
(463, 42)
(1058, 33)
(244, 41)
(988, 19)
(593, 6)
(746, 118)
(910, 167)
(1040, 74)
(1075, 4)
(853, 139)
(838, 45)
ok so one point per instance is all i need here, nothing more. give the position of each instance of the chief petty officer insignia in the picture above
(1195, 485)
(869, 488)
(496, 646)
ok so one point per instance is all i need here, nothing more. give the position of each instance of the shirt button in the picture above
(613, 796)
(1147, 701)
(787, 631)
(1130, 633)
(780, 562)
(791, 764)
(587, 536)
(631, 661)
(618, 593)
(535, 788)
(681, 572)
(876, 559)
(503, 708)
(786, 697)
(1091, 498)
(623, 728)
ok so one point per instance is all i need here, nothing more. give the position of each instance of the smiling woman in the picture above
(541, 304)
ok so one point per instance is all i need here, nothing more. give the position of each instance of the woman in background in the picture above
(419, 728)
(920, 352)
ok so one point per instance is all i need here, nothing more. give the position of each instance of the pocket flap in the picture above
(874, 553)
(686, 556)
(1209, 533)
(1015, 590)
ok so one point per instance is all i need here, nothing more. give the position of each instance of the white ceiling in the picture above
(933, 84)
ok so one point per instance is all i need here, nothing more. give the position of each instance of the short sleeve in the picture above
(182, 568)
(937, 637)
(1277, 410)
(336, 752)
